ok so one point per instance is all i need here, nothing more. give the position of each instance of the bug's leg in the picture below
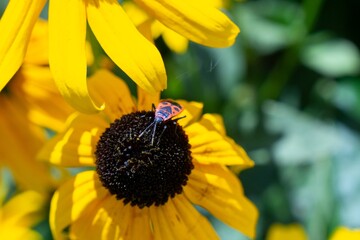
(177, 119)
(161, 134)
(145, 130)
(153, 134)
(153, 107)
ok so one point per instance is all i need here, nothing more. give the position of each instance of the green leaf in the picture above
(332, 58)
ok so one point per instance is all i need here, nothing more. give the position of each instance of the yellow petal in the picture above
(178, 219)
(19, 142)
(107, 88)
(216, 189)
(146, 100)
(215, 122)
(175, 41)
(138, 226)
(125, 45)
(16, 25)
(72, 199)
(67, 31)
(201, 23)
(290, 231)
(136, 14)
(98, 220)
(35, 87)
(38, 49)
(343, 233)
(75, 146)
(192, 111)
(15, 232)
(209, 146)
(24, 209)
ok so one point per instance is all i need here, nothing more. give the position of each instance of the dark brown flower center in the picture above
(141, 164)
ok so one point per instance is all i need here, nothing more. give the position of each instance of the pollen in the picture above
(138, 169)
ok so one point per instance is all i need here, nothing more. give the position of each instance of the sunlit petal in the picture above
(192, 111)
(125, 45)
(72, 198)
(67, 32)
(75, 146)
(216, 189)
(194, 20)
(107, 88)
(209, 146)
(16, 25)
(178, 219)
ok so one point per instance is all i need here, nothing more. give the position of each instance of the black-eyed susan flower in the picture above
(177, 41)
(127, 47)
(344, 233)
(292, 231)
(143, 189)
(29, 103)
(19, 214)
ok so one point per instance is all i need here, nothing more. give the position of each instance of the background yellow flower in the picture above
(30, 103)
(20, 213)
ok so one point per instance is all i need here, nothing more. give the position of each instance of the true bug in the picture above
(164, 111)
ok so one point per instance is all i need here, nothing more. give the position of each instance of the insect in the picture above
(164, 111)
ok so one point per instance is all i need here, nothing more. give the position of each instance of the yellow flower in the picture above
(284, 232)
(19, 214)
(29, 102)
(177, 39)
(131, 51)
(160, 181)
(343, 233)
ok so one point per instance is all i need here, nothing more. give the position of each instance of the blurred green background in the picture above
(289, 93)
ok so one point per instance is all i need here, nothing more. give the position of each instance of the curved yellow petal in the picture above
(67, 32)
(72, 199)
(216, 189)
(209, 146)
(105, 87)
(125, 45)
(16, 25)
(201, 23)
(178, 219)
(76, 146)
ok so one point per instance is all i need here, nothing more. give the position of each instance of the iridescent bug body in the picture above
(164, 111)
